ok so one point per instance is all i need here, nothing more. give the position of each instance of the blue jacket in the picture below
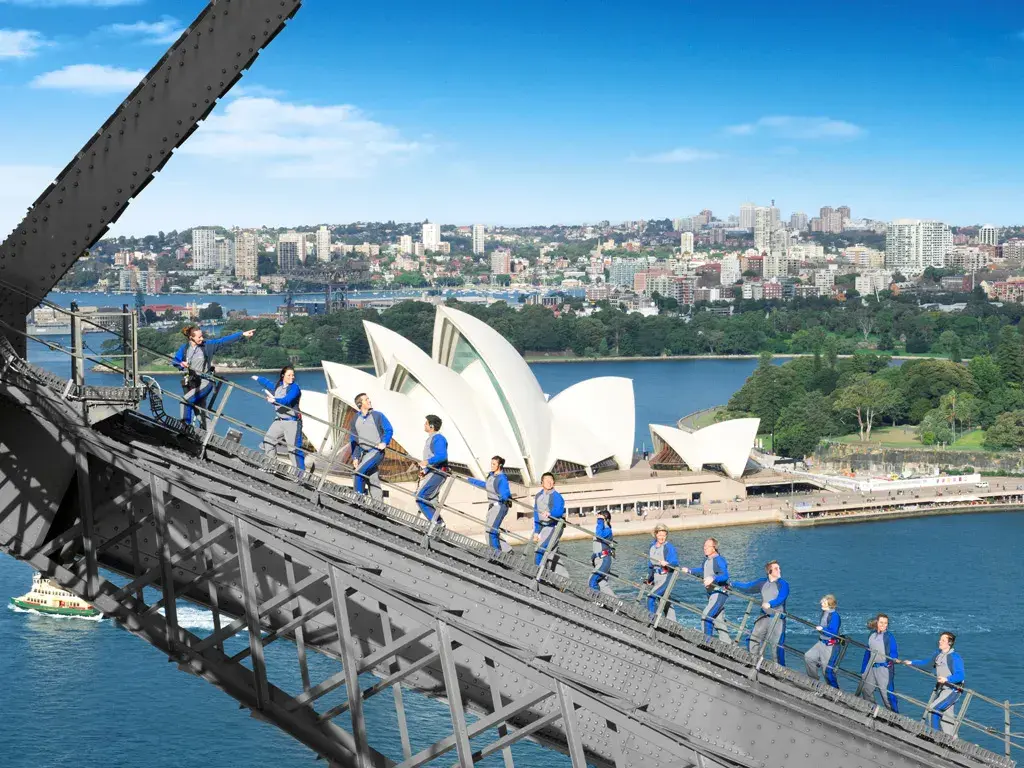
(670, 557)
(891, 652)
(504, 492)
(955, 662)
(755, 586)
(383, 427)
(291, 398)
(720, 577)
(603, 533)
(830, 632)
(438, 452)
(557, 511)
(209, 347)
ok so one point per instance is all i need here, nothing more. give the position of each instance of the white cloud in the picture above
(78, 3)
(254, 91)
(20, 43)
(162, 32)
(292, 140)
(678, 155)
(792, 127)
(90, 78)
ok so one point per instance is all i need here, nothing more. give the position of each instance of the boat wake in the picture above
(16, 609)
(191, 617)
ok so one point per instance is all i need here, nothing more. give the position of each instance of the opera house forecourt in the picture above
(491, 404)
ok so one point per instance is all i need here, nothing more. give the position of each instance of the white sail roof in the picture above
(727, 444)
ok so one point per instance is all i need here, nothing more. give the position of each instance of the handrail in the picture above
(666, 601)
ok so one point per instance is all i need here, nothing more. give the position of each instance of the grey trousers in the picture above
(942, 704)
(368, 475)
(495, 516)
(876, 678)
(282, 434)
(714, 612)
(760, 639)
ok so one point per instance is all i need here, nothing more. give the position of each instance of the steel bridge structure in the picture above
(116, 503)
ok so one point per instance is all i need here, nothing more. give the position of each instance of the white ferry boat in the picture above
(47, 597)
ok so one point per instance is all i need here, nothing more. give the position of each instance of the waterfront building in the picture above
(501, 261)
(291, 251)
(431, 237)
(686, 242)
(747, 215)
(204, 248)
(988, 235)
(246, 256)
(323, 243)
(479, 239)
(489, 400)
(912, 245)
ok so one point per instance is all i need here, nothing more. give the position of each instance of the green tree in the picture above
(950, 344)
(1007, 433)
(802, 425)
(958, 407)
(869, 398)
(212, 311)
(934, 428)
(986, 374)
(1010, 355)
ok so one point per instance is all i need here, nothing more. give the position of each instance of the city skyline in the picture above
(308, 137)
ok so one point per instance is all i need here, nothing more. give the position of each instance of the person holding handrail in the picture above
(768, 634)
(602, 554)
(879, 665)
(433, 469)
(195, 358)
(548, 511)
(499, 498)
(825, 654)
(287, 427)
(661, 560)
(371, 433)
(715, 573)
(949, 684)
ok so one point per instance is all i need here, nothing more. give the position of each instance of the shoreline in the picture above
(545, 360)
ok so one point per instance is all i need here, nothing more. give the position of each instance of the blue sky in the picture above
(541, 112)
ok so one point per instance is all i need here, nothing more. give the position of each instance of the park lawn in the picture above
(972, 441)
(893, 437)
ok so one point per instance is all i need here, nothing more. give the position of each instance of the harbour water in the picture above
(86, 693)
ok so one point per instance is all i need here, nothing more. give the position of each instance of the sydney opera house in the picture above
(490, 403)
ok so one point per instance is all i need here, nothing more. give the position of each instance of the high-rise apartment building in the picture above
(405, 244)
(988, 235)
(501, 261)
(291, 251)
(622, 272)
(913, 245)
(844, 213)
(225, 255)
(323, 244)
(246, 256)
(763, 228)
(731, 272)
(204, 249)
(479, 239)
(747, 215)
(798, 221)
(431, 237)
(686, 242)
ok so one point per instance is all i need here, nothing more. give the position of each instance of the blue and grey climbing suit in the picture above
(368, 431)
(940, 710)
(499, 499)
(764, 639)
(713, 616)
(878, 669)
(658, 575)
(824, 655)
(601, 557)
(199, 359)
(548, 509)
(435, 453)
(286, 431)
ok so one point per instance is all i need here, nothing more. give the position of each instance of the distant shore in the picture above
(549, 359)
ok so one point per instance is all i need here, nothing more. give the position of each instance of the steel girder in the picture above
(169, 521)
(135, 142)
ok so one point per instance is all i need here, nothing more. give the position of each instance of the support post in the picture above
(300, 631)
(571, 726)
(963, 712)
(156, 492)
(86, 510)
(77, 351)
(216, 417)
(451, 685)
(1006, 727)
(350, 666)
(665, 597)
(252, 617)
(743, 623)
(492, 681)
(130, 346)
